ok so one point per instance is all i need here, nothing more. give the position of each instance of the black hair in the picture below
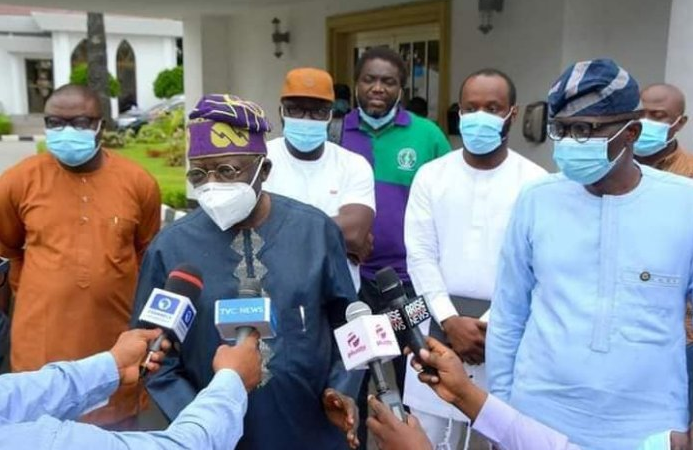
(490, 72)
(385, 54)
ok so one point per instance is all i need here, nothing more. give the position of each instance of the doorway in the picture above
(419, 46)
(39, 82)
(126, 71)
(418, 31)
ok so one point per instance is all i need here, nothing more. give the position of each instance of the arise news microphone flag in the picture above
(172, 308)
(405, 314)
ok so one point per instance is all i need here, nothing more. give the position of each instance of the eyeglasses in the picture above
(79, 122)
(224, 172)
(297, 112)
(580, 131)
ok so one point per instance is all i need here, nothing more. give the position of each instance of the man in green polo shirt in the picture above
(396, 143)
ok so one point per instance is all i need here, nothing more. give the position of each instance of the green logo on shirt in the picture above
(406, 159)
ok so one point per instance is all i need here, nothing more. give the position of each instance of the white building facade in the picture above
(228, 43)
(39, 48)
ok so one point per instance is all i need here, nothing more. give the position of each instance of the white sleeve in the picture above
(360, 188)
(421, 241)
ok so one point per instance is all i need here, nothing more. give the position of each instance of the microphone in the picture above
(405, 314)
(368, 340)
(237, 318)
(172, 309)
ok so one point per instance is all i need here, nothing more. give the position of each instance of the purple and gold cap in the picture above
(223, 124)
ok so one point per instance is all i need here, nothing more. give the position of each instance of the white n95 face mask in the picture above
(228, 203)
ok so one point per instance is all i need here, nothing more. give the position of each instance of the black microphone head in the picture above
(389, 284)
(185, 280)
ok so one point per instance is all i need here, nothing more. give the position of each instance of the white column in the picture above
(18, 74)
(62, 52)
(679, 65)
(169, 51)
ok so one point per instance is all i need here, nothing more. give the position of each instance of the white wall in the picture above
(253, 70)
(633, 32)
(13, 54)
(524, 43)
(532, 40)
(152, 55)
(250, 69)
(679, 65)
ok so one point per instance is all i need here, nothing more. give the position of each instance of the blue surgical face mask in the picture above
(653, 137)
(305, 135)
(378, 122)
(71, 146)
(585, 162)
(481, 131)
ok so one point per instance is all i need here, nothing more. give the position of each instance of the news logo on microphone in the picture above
(396, 321)
(165, 303)
(364, 339)
(169, 311)
(230, 314)
(188, 315)
(417, 311)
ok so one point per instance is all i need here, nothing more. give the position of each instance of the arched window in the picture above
(127, 76)
(79, 54)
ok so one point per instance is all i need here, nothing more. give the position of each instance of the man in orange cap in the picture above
(310, 169)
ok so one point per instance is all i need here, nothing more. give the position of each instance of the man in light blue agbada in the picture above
(585, 333)
(37, 409)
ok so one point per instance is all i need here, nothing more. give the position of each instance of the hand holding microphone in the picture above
(450, 382)
(390, 433)
(244, 358)
(131, 348)
(247, 318)
(172, 308)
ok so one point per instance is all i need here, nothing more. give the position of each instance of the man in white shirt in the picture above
(308, 168)
(455, 220)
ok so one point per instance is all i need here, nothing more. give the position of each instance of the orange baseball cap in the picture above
(308, 82)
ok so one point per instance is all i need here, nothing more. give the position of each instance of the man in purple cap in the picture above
(242, 237)
(586, 331)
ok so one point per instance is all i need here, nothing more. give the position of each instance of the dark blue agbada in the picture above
(304, 254)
